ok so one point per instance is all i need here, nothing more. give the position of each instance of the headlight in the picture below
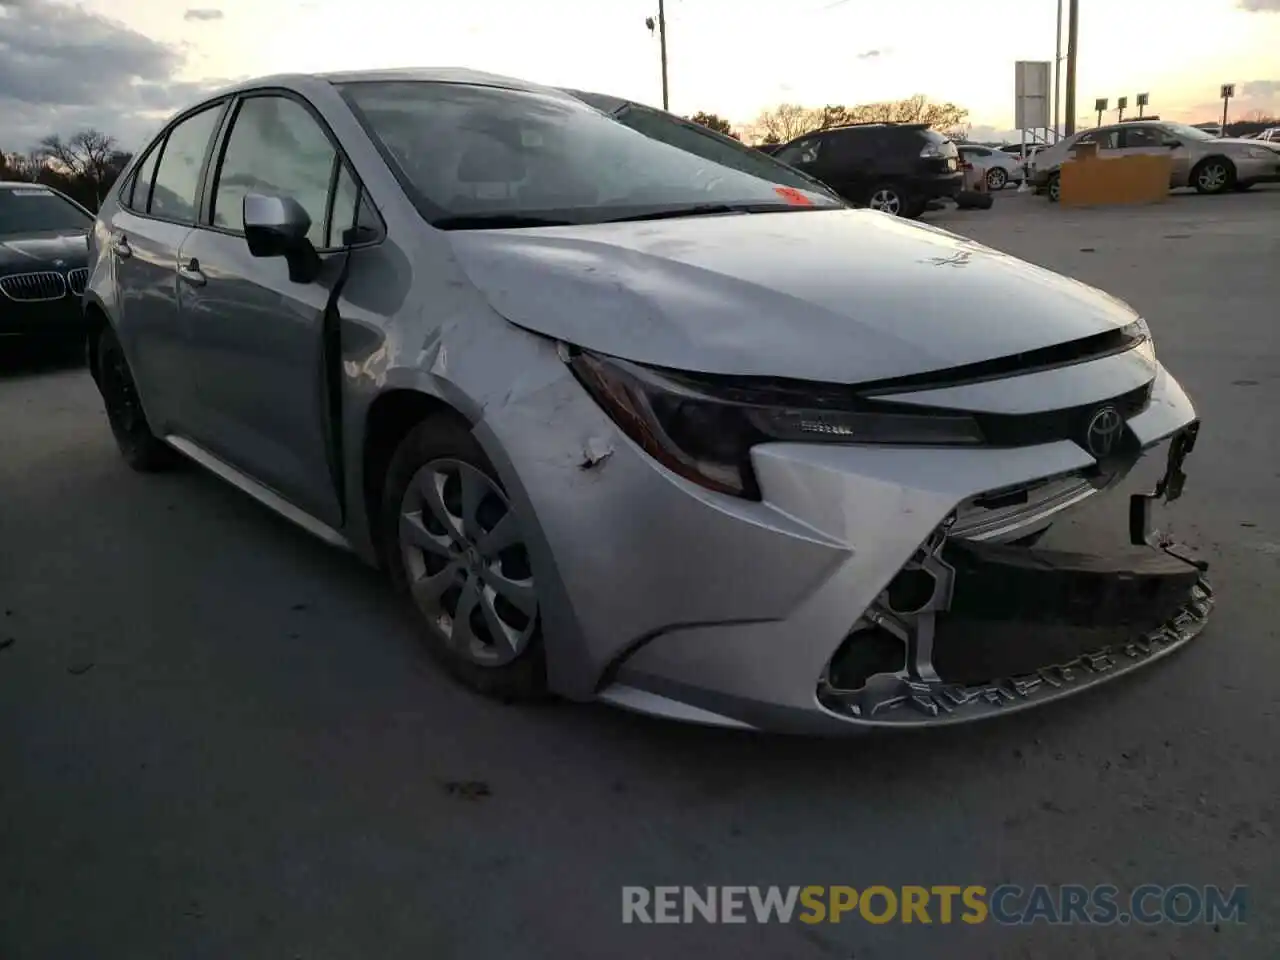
(1140, 332)
(704, 427)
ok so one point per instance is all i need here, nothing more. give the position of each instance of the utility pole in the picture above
(1073, 33)
(662, 41)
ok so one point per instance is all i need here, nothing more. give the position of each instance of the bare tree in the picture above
(86, 155)
(789, 120)
(785, 122)
(22, 166)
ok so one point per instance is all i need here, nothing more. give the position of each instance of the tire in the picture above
(141, 449)
(997, 178)
(438, 561)
(1054, 189)
(891, 199)
(1214, 175)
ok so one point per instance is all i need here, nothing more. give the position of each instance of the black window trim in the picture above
(160, 142)
(214, 169)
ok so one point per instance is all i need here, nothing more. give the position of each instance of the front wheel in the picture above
(141, 449)
(1213, 176)
(1055, 188)
(457, 549)
(997, 178)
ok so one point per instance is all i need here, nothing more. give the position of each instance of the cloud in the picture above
(1260, 6)
(202, 13)
(870, 54)
(1260, 88)
(983, 133)
(64, 67)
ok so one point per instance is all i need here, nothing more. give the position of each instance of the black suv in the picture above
(894, 167)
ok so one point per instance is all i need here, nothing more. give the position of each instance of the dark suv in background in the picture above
(894, 167)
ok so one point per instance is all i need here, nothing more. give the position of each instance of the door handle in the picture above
(191, 272)
(120, 247)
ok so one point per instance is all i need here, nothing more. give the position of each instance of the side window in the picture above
(277, 148)
(140, 189)
(799, 154)
(1135, 137)
(346, 197)
(177, 178)
(848, 146)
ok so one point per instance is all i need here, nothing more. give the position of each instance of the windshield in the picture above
(36, 209)
(1185, 132)
(475, 156)
(701, 142)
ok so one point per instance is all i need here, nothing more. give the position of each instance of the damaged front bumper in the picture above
(925, 639)
(970, 630)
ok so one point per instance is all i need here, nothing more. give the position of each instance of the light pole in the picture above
(1073, 33)
(1057, 79)
(662, 41)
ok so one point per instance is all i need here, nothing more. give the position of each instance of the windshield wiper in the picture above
(495, 221)
(708, 209)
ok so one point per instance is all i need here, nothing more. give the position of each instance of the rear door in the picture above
(259, 336)
(853, 161)
(156, 212)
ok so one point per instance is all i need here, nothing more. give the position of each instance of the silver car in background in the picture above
(626, 422)
(1201, 160)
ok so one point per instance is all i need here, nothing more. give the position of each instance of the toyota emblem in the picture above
(1103, 432)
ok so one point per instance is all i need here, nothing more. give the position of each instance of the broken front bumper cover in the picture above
(1005, 628)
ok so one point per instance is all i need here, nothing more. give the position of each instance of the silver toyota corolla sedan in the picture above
(632, 413)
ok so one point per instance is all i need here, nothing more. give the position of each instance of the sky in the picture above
(124, 65)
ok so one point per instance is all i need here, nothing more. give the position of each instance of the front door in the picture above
(1144, 140)
(259, 336)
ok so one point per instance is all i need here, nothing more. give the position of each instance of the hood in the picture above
(1238, 141)
(42, 251)
(842, 296)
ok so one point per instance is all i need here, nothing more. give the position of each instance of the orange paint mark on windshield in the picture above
(793, 196)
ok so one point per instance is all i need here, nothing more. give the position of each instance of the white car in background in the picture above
(1002, 168)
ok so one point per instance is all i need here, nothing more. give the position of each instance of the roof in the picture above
(428, 74)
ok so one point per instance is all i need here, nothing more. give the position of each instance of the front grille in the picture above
(31, 287)
(77, 279)
(1029, 429)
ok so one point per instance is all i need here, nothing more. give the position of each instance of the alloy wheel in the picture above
(1212, 177)
(886, 201)
(1055, 189)
(997, 178)
(466, 562)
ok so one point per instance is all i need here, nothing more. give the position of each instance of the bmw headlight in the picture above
(703, 427)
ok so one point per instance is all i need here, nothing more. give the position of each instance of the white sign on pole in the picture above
(1228, 91)
(1032, 86)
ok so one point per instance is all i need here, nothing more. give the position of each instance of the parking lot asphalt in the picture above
(218, 738)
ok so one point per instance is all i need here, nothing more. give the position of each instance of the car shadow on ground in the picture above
(19, 358)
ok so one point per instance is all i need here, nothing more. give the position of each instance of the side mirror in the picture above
(278, 227)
